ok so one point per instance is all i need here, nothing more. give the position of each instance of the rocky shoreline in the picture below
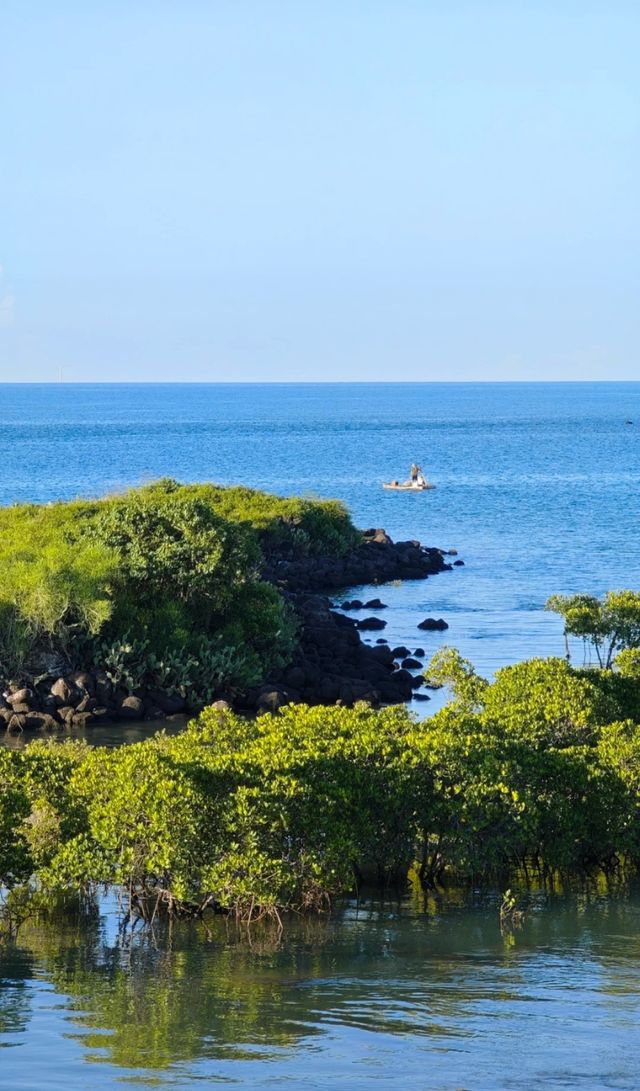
(332, 664)
(377, 559)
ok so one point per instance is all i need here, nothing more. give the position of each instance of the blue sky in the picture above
(319, 190)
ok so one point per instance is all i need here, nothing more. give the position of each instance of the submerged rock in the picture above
(371, 623)
(431, 624)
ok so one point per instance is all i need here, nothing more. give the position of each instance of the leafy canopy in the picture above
(608, 625)
(288, 810)
(160, 579)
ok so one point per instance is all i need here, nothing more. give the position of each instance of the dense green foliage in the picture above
(541, 767)
(289, 524)
(52, 587)
(607, 625)
(164, 581)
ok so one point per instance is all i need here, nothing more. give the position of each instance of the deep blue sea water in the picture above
(537, 484)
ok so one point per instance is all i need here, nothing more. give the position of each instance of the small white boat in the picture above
(408, 486)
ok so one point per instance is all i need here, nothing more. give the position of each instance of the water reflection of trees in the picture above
(16, 969)
(191, 994)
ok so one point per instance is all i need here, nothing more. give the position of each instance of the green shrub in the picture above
(196, 672)
(319, 793)
(627, 663)
(546, 700)
(289, 810)
(297, 525)
(542, 699)
(170, 571)
(173, 545)
(262, 627)
(16, 864)
(50, 587)
(448, 668)
(620, 687)
(607, 625)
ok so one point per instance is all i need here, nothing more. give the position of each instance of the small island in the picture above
(172, 597)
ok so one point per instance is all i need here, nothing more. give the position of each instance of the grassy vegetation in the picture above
(296, 525)
(540, 768)
(168, 573)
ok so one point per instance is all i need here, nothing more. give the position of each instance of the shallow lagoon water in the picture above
(384, 994)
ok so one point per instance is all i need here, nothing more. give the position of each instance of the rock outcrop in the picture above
(331, 665)
(377, 559)
(433, 625)
(79, 699)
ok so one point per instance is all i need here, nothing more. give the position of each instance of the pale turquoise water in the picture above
(384, 996)
(538, 484)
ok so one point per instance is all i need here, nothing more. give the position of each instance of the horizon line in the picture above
(313, 382)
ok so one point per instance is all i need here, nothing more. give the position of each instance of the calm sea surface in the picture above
(537, 489)
(383, 996)
(537, 484)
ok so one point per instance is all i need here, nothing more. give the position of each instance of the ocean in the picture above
(537, 483)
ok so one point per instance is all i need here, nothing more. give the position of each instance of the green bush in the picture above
(296, 525)
(627, 663)
(541, 699)
(16, 864)
(197, 672)
(170, 572)
(173, 545)
(546, 700)
(51, 588)
(607, 625)
(292, 809)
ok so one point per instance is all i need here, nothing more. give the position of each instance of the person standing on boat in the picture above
(415, 470)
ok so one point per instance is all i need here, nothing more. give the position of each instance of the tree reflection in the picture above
(221, 993)
(16, 969)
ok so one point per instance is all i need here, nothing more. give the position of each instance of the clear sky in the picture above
(319, 189)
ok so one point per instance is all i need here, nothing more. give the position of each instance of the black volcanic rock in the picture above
(432, 624)
(331, 664)
(371, 623)
(377, 559)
